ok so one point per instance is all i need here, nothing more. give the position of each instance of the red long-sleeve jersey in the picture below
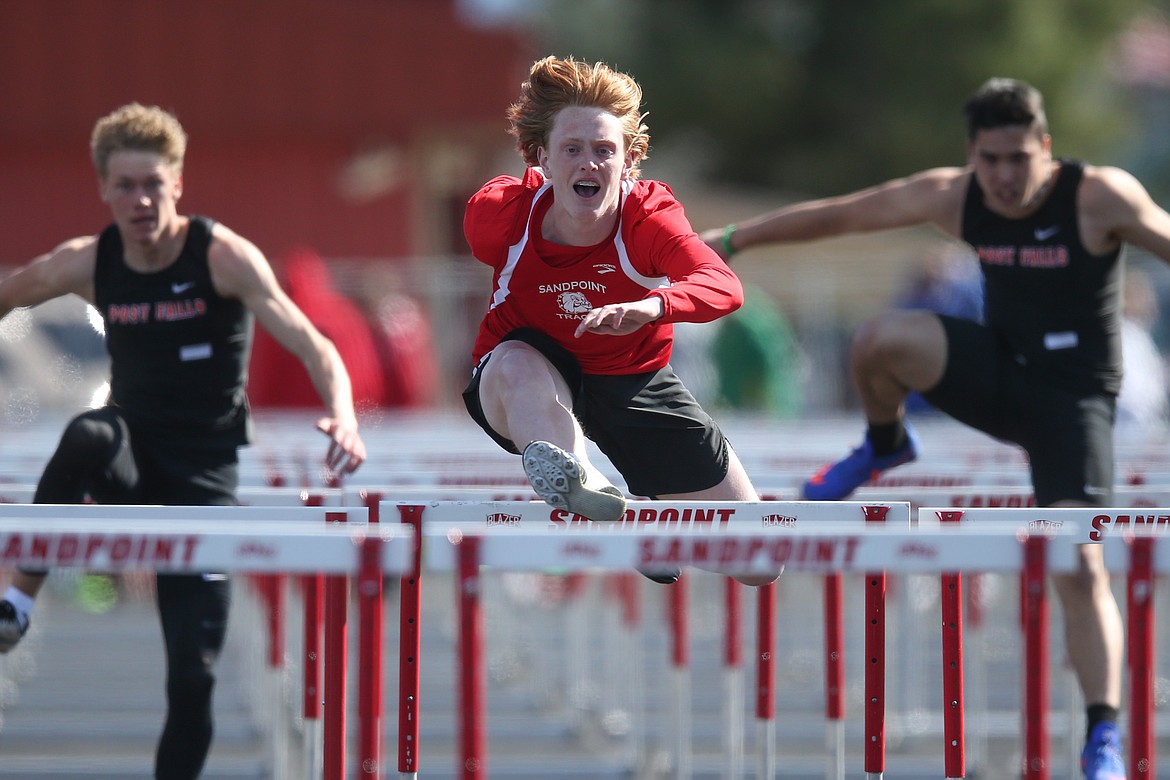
(538, 284)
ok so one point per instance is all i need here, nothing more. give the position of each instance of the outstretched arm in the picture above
(67, 269)
(240, 270)
(929, 197)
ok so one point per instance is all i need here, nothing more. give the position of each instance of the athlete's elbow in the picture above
(735, 295)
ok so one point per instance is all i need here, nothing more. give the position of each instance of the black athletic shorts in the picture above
(649, 425)
(1068, 435)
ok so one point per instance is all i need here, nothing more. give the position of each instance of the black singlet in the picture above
(178, 350)
(1056, 306)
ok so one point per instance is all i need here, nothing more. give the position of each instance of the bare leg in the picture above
(525, 399)
(736, 486)
(892, 354)
(1094, 636)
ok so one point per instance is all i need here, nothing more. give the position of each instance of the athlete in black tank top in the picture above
(1056, 305)
(179, 351)
(178, 296)
(1043, 372)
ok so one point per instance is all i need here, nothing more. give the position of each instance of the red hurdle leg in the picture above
(311, 705)
(954, 734)
(370, 648)
(472, 687)
(766, 679)
(336, 649)
(731, 644)
(273, 587)
(875, 674)
(409, 614)
(835, 673)
(678, 602)
(1035, 602)
(312, 587)
(952, 657)
(1142, 658)
(875, 666)
(733, 680)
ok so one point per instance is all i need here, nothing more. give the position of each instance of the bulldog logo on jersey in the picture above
(574, 302)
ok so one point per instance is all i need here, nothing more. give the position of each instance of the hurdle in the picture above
(185, 539)
(1128, 535)
(724, 515)
(587, 545)
(1140, 497)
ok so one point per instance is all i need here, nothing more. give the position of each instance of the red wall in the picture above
(277, 96)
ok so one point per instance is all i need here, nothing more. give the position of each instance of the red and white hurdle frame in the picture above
(1128, 535)
(765, 535)
(732, 538)
(264, 541)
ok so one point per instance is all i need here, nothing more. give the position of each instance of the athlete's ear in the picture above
(178, 186)
(542, 158)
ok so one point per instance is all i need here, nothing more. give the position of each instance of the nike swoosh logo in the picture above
(1043, 234)
(177, 288)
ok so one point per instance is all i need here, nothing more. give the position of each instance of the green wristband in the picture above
(727, 247)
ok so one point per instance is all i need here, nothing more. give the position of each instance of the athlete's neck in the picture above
(157, 254)
(561, 227)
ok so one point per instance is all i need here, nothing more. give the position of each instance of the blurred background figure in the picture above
(759, 364)
(406, 352)
(1143, 402)
(947, 282)
(276, 378)
(386, 345)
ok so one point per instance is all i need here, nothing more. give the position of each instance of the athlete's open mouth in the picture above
(586, 189)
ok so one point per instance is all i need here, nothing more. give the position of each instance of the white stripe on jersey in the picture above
(501, 292)
(514, 251)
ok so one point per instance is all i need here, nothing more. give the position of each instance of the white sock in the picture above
(20, 600)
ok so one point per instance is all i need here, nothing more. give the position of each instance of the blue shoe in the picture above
(837, 480)
(1101, 758)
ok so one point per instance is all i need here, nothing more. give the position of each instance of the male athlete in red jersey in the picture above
(591, 267)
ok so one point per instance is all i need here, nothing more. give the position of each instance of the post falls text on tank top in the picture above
(550, 287)
(178, 350)
(1055, 305)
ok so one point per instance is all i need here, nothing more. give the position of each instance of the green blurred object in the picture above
(97, 593)
(758, 359)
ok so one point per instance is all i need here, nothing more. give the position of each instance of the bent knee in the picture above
(93, 436)
(896, 331)
(518, 370)
(191, 686)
